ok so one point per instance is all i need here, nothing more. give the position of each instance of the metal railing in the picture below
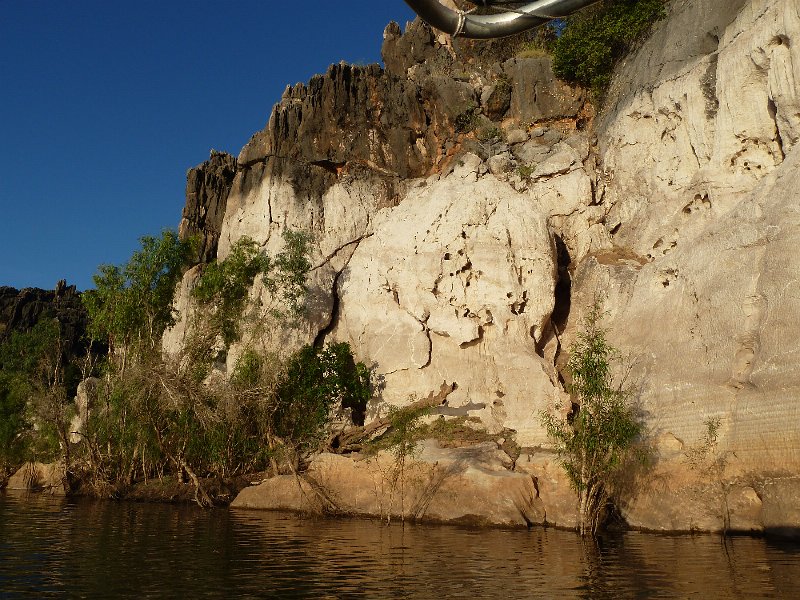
(513, 18)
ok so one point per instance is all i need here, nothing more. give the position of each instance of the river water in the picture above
(51, 547)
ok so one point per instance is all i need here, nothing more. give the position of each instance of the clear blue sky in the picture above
(105, 105)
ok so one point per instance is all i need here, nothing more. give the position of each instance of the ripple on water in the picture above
(55, 547)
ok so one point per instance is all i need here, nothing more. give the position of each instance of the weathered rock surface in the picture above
(457, 288)
(701, 282)
(448, 253)
(85, 397)
(38, 476)
(466, 485)
(537, 94)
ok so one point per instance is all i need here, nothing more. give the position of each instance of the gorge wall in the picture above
(21, 310)
(467, 209)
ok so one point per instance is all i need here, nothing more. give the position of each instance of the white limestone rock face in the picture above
(697, 118)
(714, 329)
(456, 284)
(262, 206)
(700, 173)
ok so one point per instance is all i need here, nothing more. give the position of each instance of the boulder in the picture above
(496, 100)
(465, 485)
(516, 136)
(36, 476)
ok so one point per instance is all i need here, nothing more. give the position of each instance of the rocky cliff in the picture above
(467, 207)
(20, 310)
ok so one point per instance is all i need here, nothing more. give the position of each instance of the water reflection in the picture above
(89, 549)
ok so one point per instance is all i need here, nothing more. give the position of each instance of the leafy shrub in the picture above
(710, 461)
(596, 444)
(225, 285)
(526, 171)
(594, 39)
(467, 120)
(131, 304)
(317, 380)
(247, 371)
(14, 424)
(490, 134)
(541, 42)
(404, 433)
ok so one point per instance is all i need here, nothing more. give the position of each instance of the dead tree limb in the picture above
(352, 438)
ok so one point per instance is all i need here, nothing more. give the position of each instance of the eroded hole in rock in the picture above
(358, 409)
(773, 113)
(563, 292)
(319, 339)
(334, 167)
(781, 40)
(519, 307)
(474, 342)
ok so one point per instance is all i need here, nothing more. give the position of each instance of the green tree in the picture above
(597, 441)
(131, 304)
(14, 424)
(224, 286)
(129, 309)
(406, 429)
(33, 396)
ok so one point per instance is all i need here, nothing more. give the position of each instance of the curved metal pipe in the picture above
(498, 25)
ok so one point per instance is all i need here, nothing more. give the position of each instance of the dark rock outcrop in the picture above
(349, 114)
(432, 103)
(20, 310)
(536, 93)
(207, 189)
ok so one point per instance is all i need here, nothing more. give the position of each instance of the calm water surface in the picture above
(57, 548)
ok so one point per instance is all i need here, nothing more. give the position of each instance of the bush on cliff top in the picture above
(593, 40)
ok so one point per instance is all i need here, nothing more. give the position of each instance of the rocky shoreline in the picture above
(474, 485)
(468, 210)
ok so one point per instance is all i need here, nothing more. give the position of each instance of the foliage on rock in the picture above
(315, 382)
(593, 40)
(152, 415)
(224, 285)
(131, 304)
(406, 429)
(597, 442)
(707, 459)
